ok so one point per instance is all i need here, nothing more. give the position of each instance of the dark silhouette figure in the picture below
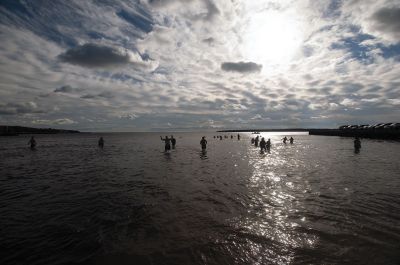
(214, 136)
(268, 144)
(256, 141)
(357, 144)
(173, 142)
(252, 140)
(263, 145)
(284, 140)
(291, 140)
(238, 137)
(32, 143)
(231, 136)
(203, 143)
(220, 137)
(101, 142)
(167, 143)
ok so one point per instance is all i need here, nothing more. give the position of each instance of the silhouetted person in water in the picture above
(268, 144)
(173, 142)
(263, 144)
(252, 140)
(357, 143)
(291, 140)
(284, 140)
(167, 143)
(220, 137)
(256, 141)
(32, 142)
(238, 136)
(101, 142)
(203, 143)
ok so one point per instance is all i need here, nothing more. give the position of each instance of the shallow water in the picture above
(313, 202)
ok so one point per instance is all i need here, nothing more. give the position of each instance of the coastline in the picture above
(17, 130)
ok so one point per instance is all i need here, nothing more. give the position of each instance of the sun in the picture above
(271, 38)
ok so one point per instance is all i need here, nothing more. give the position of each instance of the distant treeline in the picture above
(15, 130)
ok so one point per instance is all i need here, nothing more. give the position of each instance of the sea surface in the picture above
(314, 202)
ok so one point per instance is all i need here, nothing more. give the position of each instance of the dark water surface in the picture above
(313, 202)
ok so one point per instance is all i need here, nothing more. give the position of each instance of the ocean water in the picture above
(313, 202)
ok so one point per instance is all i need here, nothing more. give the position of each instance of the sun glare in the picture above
(271, 38)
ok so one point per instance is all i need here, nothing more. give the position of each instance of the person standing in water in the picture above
(291, 140)
(101, 142)
(238, 137)
(256, 141)
(203, 143)
(268, 144)
(32, 142)
(263, 144)
(284, 140)
(173, 142)
(167, 143)
(357, 143)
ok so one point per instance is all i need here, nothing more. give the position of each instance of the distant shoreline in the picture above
(17, 130)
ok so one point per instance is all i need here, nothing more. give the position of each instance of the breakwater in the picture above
(377, 134)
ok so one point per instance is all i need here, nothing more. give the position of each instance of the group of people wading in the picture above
(226, 137)
(266, 145)
(170, 142)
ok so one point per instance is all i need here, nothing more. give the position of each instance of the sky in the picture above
(151, 65)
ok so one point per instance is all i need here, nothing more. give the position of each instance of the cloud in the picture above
(63, 121)
(241, 67)
(95, 55)
(129, 116)
(67, 89)
(193, 46)
(388, 20)
(103, 95)
(20, 108)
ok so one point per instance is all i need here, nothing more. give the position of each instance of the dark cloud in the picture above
(105, 94)
(67, 89)
(241, 67)
(388, 20)
(94, 55)
(209, 40)
(212, 9)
